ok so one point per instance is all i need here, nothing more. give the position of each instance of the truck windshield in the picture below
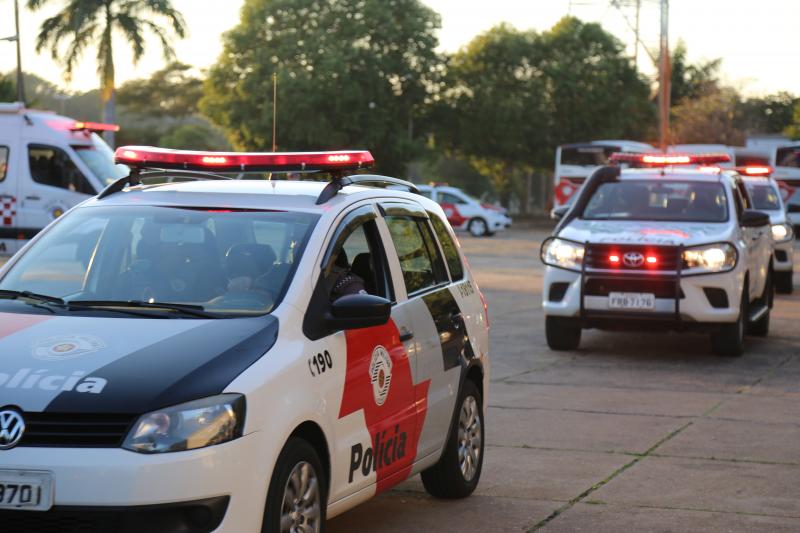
(764, 196)
(100, 160)
(226, 262)
(657, 200)
(590, 155)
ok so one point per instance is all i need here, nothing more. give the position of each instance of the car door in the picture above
(8, 192)
(439, 328)
(376, 434)
(50, 185)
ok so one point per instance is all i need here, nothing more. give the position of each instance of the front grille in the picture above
(598, 257)
(59, 521)
(78, 430)
(661, 288)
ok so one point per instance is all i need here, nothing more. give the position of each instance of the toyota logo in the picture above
(12, 427)
(633, 259)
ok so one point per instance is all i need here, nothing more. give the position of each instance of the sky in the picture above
(756, 40)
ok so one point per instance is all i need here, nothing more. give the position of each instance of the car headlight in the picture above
(782, 232)
(710, 258)
(563, 254)
(188, 426)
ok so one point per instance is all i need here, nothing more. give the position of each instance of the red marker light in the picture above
(661, 160)
(147, 156)
(93, 126)
(614, 259)
(666, 159)
(755, 170)
(651, 260)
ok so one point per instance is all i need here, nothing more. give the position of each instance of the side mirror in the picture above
(753, 219)
(558, 212)
(355, 311)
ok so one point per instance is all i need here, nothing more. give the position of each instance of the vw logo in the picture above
(633, 259)
(12, 427)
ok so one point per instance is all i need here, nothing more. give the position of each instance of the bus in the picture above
(575, 162)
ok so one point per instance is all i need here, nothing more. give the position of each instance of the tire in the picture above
(453, 477)
(297, 458)
(478, 227)
(729, 339)
(760, 328)
(561, 334)
(783, 282)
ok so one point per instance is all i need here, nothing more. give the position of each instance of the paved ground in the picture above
(633, 432)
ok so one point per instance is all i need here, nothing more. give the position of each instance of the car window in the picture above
(589, 155)
(167, 254)
(449, 247)
(52, 166)
(357, 265)
(788, 157)
(764, 196)
(3, 162)
(447, 198)
(743, 192)
(417, 260)
(658, 200)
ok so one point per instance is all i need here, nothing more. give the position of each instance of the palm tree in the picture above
(84, 23)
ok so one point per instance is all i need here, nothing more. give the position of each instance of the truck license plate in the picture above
(26, 490)
(632, 300)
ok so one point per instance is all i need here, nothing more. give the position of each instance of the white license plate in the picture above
(631, 300)
(26, 490)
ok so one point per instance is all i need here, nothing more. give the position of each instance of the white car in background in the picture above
(467, 213)
(765, 195)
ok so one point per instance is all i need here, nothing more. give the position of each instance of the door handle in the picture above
(406, 336)
(33, 198)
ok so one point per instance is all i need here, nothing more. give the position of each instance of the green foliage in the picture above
(351, 73)
(8, 89)
(709, 119)
(169, 92)
(793, 130)
(691, 81)
(193, 137)
(767, 114)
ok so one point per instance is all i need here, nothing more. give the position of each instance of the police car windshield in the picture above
(764, 196)
(658, 200)
(227, 262)
(100, 160)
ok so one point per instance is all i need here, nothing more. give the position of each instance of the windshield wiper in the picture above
(26, 295)
(186, 309)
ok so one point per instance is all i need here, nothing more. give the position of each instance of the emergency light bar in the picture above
(662, 160)
(755, 170)
(93, 126)
(150, 157)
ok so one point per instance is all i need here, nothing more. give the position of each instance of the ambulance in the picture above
(48, 164)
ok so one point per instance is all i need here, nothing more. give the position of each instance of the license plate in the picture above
(21, 489)
(631, 300)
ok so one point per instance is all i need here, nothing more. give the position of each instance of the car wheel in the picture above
(478, 227)
(729, 339)
(562, 334)
(459, 469)
(296, 500)
(760, 328)
(783, 282)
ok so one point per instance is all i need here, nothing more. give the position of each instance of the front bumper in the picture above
(784, 256)
(680, 303)
(96, 482)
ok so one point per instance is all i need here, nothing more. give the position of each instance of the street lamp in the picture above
(15, 39)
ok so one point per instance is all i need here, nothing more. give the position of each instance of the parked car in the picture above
(467, 213)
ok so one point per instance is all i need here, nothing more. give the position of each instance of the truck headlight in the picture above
(782, 232)
(563, 254)
(188, 426)
(709, 259)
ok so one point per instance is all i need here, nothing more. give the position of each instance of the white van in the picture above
(48, 164)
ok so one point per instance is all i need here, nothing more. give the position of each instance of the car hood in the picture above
(123, 365)
(645, 232)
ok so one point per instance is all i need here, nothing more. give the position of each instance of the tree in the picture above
(793, 130)
(767, 114)
(8, 89)
(351, 73)
(709, 119)
(84, 23)
(193, 137)
(169, 92)
(692, 80)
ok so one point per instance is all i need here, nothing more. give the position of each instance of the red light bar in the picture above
(755, 170)
(94, 126)
(661, 160)
(150, 157)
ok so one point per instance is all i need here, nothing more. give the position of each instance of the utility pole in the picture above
(274, 111)
(20, 82)
(664, 78)
(636, 31)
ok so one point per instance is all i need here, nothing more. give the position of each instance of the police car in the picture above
(48, 164)
(660, 247)
(183, 353)
(765, 196)
(467, 213)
